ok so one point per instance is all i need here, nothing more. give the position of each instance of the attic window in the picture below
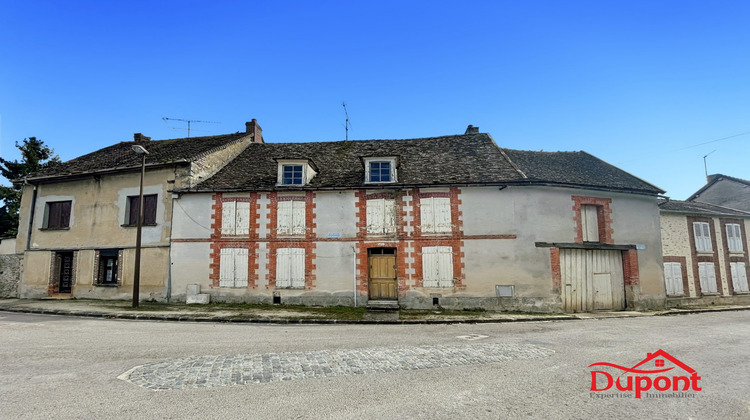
(295, 172)
(380, 170)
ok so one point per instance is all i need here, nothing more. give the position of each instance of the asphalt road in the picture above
(67, 367)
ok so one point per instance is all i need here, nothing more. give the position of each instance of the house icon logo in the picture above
(640, 378)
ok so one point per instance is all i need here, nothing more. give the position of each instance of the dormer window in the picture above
(380, 170)
(295, 172)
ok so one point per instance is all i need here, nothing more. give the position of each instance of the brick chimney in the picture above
(471, 129)
(140, 138)
(254, 130)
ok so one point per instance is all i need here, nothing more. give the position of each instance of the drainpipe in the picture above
(354, 275)
(31, 218)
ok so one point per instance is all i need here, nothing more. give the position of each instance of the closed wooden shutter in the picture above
(445, 266)
(240, 267)
(702, 235)
(590, 223)
(284, 218)
(437, 266)
(389, 216)
(427, 215)
(297, 263)
(298, 217)
(375, 215)
(442, 210)
(283, 267)
(149, 209)
(226, 268)
(707, 276)
(739, 276)
(242, 217)
(673, 278)
(734, 237)
(228, 217)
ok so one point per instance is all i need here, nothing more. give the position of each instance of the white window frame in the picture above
(391, 160)
(437, 266)
(435, 215)
(673, 279)
(233, 267)
(739, 277)
(235, 218)
(290, 268)
(734, 237)
(290, 217)
(702, 235)
(381, 216)
(308, 173)
(707, 277)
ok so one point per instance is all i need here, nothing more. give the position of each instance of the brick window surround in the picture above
(216, 214)
(273, 213)
(734, 257)
(309, 248)
(54, 279)
(604, 216)
(458, 260)
(456, 214)
(245, 241)
(252, 261)
(712, 257)
(683, 266)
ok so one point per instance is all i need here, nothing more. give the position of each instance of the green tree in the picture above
(35, 156)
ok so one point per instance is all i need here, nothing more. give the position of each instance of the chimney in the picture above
(472, 130)
(254, 130)
(140, 138)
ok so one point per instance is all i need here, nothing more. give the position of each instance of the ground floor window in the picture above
(233, 267)
(108, 267)
(437, 266)
(673, 278)
(707, 277)
(739, 276)
(290, 267)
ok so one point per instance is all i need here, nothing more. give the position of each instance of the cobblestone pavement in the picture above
(228, 370)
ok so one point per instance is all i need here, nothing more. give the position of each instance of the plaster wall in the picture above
(335, 214)
(192, 216)
(676, 243)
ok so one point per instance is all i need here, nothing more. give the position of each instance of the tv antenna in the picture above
(346, 123)
(705, 167)
(188, 122)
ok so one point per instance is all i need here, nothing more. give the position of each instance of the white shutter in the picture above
(242, 218)
(240, 267)
(297, 267)
(226, 267)
(389, 216)
(284, 218)
(702, 236)
(707, 276)
(673, 278)
(590, 223)
(375, 215)
(228, 215)
(429, 266)
(734, 237)
(442, 211)
(739, 277)
(298, 217)
(445, 266)
(283, 267)
(427, 215)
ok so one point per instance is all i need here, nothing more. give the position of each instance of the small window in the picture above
(734, 237)
(380, 170)
(149, 210)
(292, 175)
(57, 215)
(702, 234)
(107, 272)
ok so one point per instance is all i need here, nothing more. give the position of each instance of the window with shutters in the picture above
(290, 267)
(149, 210)
(381, 216)
(437, 266)
(381, 170)
(673, 278)
(108, 272)
(734, 237)
(702, 234)
(235, 218)
(233, 267)
(435, 214)
(590, 223)
(707, 277)
(57, 215)
(290, 217)
(739, 277)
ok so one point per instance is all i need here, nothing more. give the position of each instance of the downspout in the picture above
(31, 218)
(354, 275)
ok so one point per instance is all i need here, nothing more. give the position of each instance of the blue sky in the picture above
(636, 83)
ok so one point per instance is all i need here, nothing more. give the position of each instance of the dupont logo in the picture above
(660, 372)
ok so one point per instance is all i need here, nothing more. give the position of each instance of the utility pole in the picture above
(188, 122)
(346, 123)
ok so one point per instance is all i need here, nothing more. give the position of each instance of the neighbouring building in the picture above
(705, 249)
(725, 191)
(77, 219)
(452, 221)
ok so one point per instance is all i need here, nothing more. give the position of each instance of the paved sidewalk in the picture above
(300, 315)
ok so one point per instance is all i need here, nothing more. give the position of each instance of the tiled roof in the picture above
(459, 159)
(690, 207)
(121, 156)
(576, 169)
(726, 191)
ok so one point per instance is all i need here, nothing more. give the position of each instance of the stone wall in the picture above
(10, 275)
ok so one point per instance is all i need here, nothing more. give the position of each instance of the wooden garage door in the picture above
(592, 280)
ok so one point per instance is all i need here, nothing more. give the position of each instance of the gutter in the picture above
(31, 218)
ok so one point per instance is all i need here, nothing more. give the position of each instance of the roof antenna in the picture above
(188, 122)
(705, 167)
(346, 124)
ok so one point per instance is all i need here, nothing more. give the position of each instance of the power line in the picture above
(688, 147)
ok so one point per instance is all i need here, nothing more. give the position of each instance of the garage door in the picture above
(592, 280)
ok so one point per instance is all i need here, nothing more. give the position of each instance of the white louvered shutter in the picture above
(707, 276)
(702, 235)
(283, 267)
(430, 266)
(739, 277)
(427, 215)
(442, 209)
(226, 267)
(297, 267)
(240, 267)
(445, 266)
(389, 216)
(242, 218)
(284, 218)
(228, 216)
(375, 216)
(298, 217)
(673, 278)
(734, 237)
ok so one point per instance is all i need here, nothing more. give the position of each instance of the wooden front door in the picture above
(65, 275)
(382, 276)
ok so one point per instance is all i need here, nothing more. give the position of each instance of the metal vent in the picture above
(502, 290)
